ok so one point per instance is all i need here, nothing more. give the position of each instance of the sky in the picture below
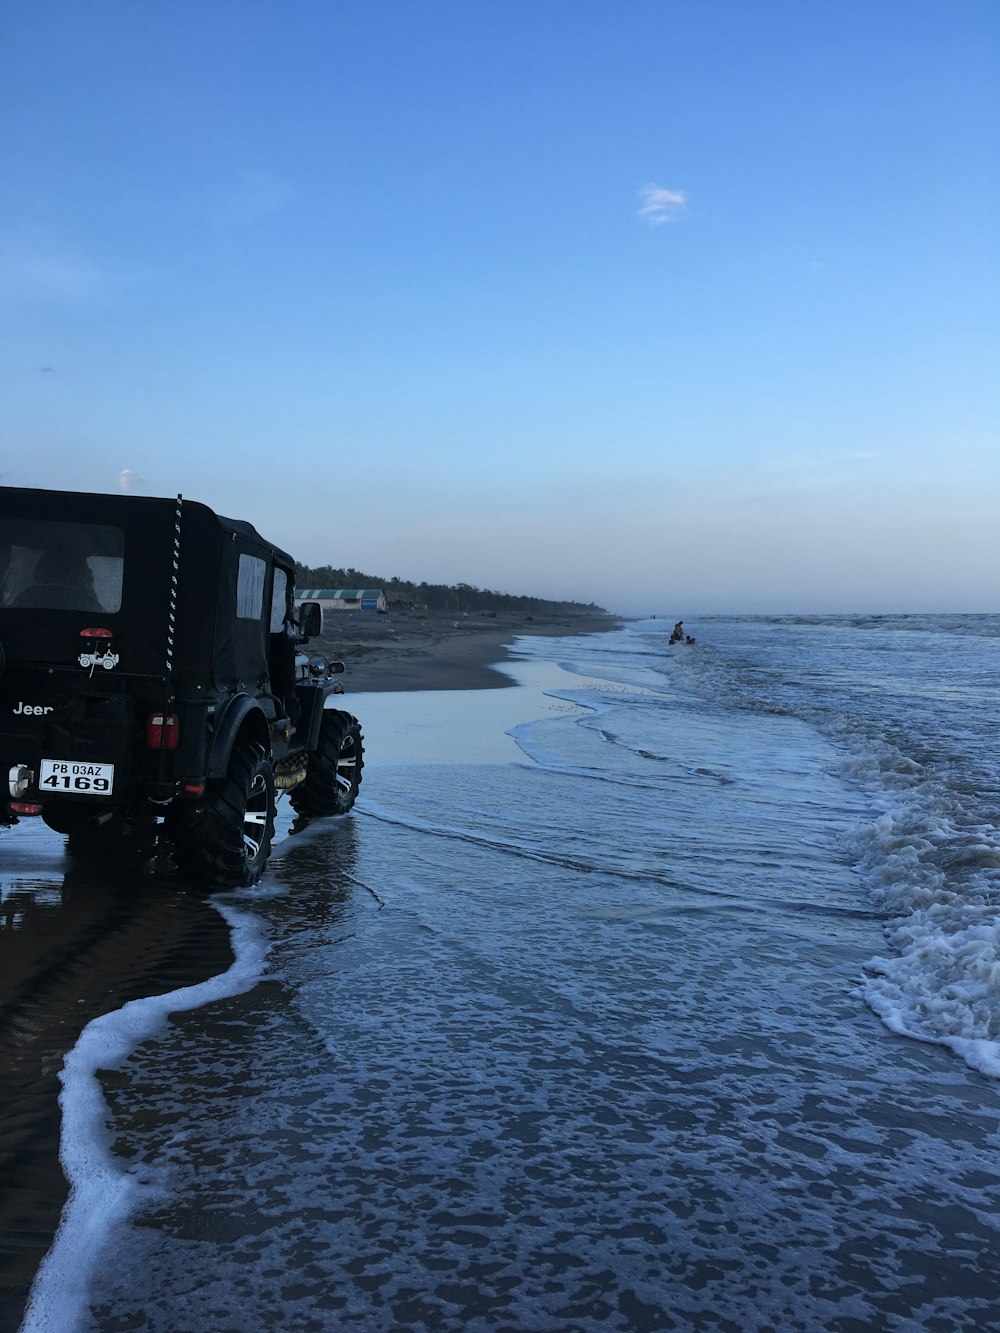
(678, 306)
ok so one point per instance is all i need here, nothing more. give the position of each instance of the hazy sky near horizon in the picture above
(679, 306)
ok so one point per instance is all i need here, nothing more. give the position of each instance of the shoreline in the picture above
(77, 922)
(399, 652)
(87, 940)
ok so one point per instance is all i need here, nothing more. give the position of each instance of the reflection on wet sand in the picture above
(319, 871)
(77, 940)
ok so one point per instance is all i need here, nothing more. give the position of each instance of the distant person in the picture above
(678, 632)
(688, 639)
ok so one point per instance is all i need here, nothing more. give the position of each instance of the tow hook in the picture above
(19, 779)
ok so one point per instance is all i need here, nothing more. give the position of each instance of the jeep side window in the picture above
(61, 566)
(250, 587)
(279, 601)
(281, 647)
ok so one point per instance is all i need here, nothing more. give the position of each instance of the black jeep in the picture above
(150, 678)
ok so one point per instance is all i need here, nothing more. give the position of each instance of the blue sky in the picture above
(686, 306)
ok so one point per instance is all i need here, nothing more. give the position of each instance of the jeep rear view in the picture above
(150, 678)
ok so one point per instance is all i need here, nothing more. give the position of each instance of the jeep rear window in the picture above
(61, 566)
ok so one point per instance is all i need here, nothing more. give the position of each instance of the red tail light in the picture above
(94, 633)
(25, 808)
(162, 731)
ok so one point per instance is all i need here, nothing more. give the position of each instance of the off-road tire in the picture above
(224, 841)
(334, 770)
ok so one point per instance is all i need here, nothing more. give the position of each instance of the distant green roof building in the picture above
(344, 599)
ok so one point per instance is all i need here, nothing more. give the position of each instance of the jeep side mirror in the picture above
(310, 620)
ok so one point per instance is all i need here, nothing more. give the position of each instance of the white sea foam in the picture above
(933, 866)
(102, 1191)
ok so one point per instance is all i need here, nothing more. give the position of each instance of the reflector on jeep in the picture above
(162, 731)
(96, 633)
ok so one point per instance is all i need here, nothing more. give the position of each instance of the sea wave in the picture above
(910, 703)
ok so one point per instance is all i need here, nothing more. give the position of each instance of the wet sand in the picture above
(404, 652)
(75, 942)
(79, 940)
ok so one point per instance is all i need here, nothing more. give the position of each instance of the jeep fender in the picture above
(241, 716)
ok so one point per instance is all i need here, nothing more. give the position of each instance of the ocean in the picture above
(660, 992)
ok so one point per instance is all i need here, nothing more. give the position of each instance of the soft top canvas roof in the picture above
(212, 644)
(244, 529)
(100, 507)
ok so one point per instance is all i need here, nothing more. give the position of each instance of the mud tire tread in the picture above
(208, 836)
(321, 796)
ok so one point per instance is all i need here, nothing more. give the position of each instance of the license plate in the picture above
(70, 775)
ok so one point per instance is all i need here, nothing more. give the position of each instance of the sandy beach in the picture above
(408, 652)
(77, 941)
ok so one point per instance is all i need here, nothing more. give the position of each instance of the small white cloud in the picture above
(660, 205)
(128, 480)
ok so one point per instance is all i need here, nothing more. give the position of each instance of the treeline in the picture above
(457, 598)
